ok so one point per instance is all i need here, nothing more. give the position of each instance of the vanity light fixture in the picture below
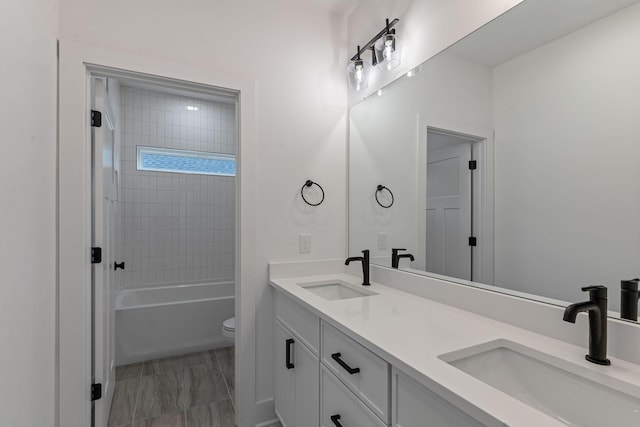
(385, 51)
(192, 108)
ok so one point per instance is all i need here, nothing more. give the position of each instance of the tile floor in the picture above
(194, 390)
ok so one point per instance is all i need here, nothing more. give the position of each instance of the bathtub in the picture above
(171, 320)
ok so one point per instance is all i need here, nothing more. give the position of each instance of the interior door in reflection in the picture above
(449, 206)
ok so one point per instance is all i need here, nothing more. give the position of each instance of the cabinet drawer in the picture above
(339, 403)
(364, 373)
(301, 321)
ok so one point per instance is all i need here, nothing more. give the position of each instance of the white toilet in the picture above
(229, 328)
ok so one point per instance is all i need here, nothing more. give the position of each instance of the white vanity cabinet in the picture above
(414, 405)
(297, 386)
(324, 378)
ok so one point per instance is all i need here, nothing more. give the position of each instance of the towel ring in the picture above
(379, 189)
(307, 184)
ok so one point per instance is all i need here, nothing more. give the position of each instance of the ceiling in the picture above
(536, 22)
(335, 6)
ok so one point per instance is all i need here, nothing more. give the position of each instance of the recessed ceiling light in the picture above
(192, 108)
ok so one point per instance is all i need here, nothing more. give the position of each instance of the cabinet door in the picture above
(416, 406)
(297, 386)
(284, 378)
(307, 386)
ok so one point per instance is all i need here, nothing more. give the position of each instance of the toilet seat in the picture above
(229, 328)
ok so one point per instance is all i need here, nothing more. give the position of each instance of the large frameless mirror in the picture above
(511, 159)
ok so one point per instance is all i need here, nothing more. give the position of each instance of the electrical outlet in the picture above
(382, 241)
(305, 243)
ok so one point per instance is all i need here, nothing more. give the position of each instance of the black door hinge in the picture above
(473, 164)
(96, 391)
(473, 241)
(96, 119)
(96, 255)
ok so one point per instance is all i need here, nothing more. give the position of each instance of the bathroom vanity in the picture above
(349, 355)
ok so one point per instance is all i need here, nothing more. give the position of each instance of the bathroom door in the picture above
(448, 216)
(104, 195)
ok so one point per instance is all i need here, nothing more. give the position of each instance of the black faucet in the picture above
(629, 296)
(365, 265)
(597, 309)
(395, 258)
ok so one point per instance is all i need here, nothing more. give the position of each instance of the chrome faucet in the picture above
(629, 296)
(597, 309)
(395, 257)
(365, 265)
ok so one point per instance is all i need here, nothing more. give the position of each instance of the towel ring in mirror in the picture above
(382, 188)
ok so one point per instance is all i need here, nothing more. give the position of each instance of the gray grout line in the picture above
(224, 380)
(135, 404)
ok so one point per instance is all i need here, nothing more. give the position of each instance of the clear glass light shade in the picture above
(387, 49)
(358, 72)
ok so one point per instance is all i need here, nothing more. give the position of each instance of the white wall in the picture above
(387, 145)
(177, 228)
(383, 150)
(566, 129)
(28, 211)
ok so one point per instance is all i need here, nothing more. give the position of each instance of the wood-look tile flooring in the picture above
(194, 390)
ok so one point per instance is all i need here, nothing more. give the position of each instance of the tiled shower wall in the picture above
(177, 228)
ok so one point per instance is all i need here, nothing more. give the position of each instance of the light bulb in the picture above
(388, 49)
(359, 71)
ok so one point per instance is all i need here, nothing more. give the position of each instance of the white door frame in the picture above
(76, 62)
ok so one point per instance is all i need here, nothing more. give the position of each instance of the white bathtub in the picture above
(166, 321)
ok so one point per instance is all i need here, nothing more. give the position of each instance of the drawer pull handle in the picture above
(335, 419)
(289, 344)
(349, 369)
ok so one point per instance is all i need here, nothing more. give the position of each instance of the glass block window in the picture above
(184, 161)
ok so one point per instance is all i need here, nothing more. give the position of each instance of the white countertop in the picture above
(410, 332)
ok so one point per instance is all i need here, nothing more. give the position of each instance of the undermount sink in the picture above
(336, 290)
(568, 392)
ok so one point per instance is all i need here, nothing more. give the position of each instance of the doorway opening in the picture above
(453, 203)
(164, 227)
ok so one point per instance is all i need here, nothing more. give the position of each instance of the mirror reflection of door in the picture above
(449, 212)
